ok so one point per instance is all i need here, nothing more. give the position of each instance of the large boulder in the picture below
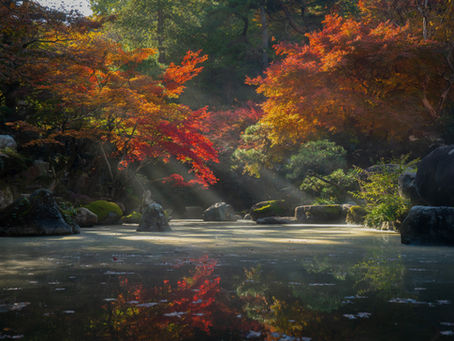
(6, 196)
(153, 219)
(219, 211)
(37, 215)
(428, 225)
(435, 177)
(7, 141)
(407, 187)
(85, 218)
(270, 208)
(109, 213)
(321, 214)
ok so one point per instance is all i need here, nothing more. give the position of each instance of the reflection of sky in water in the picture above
(236, 281)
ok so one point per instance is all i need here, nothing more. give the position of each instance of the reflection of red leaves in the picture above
(192, 303)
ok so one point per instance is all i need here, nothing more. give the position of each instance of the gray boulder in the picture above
(37, 215)
(85, 218)
(153, 219)
(7, 141)
(219, 211)
(435, 177)
(407, 187)
(428, 225)
(321, 214)
(6, 196)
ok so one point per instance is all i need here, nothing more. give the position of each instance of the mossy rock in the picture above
(12, 163)
(320, 214)
(35, 215)
(356, 215)
(108, 212)
(133, 218)
(270, 208)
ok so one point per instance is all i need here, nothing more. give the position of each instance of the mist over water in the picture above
(235, 281)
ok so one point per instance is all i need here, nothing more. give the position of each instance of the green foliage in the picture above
(316, 157)
(102, 208)
(380, 192)
(334, 188)
(134, 218)
(375, 275)
(356, 215)
(254, 155)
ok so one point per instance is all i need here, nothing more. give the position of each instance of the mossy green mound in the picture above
(270, 208)
(108, 212)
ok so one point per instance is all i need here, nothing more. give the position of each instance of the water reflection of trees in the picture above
(194, 307)
(303, 307)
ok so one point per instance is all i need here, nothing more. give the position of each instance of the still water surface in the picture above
(225, 281)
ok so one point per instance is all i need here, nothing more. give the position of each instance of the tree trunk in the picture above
(160, 34)
(265, 37)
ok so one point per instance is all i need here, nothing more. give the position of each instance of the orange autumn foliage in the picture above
(88, 86)
(379, 79)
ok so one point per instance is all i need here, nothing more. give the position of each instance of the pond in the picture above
(225, 281)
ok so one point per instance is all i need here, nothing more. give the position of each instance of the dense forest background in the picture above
(235, 100)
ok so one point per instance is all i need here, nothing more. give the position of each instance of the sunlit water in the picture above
(225, 281)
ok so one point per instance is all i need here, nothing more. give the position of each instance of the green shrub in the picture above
(380, 192)
(316, 157)
(356, 215)
(68, 211)
(334, 188)
(107, 211)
